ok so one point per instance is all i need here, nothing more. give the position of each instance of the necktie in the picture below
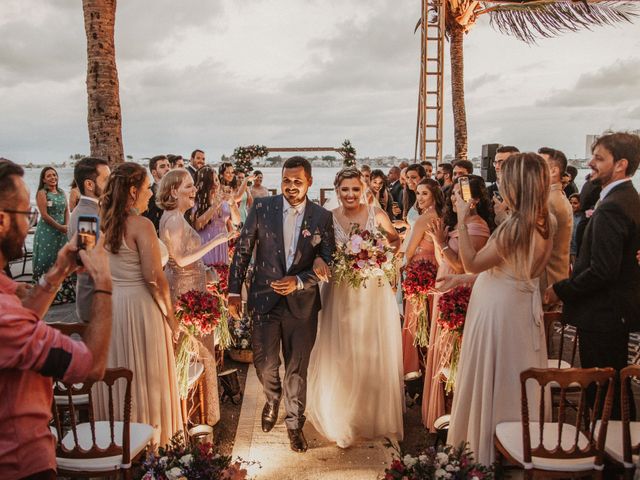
(289, 231)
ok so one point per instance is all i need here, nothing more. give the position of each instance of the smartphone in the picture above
(88, 231)
(465, 188)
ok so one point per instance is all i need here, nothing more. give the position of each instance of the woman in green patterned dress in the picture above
(51, 232)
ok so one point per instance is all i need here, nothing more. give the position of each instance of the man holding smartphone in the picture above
(91, 176)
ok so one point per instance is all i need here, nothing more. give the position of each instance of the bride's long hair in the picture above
(525, 189)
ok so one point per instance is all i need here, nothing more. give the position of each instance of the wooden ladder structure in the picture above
(428, 144)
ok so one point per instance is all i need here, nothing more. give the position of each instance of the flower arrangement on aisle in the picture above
(348, 154)
(453, 311)
(245, 155)
(199, 313)
(365, 255)
(182, 460)
(220, 287)
(419, 280)
(442, 463)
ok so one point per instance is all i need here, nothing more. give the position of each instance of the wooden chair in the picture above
(194, 403)
(100, 448)
(623, 437)
(563, 449)
(550, 320)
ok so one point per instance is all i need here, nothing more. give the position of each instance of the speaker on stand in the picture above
(487, 168)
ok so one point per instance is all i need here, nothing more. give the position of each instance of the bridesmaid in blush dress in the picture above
(446, 242)
(212, 213)
(185, 270)
(504, 329)
(430, 201)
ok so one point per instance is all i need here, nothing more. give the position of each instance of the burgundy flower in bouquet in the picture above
(453, 311)
(419, 280)
(222, 286)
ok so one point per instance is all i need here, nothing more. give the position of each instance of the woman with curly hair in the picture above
(143, 319)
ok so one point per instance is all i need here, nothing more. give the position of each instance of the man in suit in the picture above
(91, 176)
(196, 163)
(558, 266)
(395, 187)
(288, 232)
(602, 296)
(499, 207)
(158, 166)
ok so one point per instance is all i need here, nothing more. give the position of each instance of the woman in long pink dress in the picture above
(430, 201)
(446, 249)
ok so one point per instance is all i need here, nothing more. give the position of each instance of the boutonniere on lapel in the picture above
(317, 238)
(305, 229)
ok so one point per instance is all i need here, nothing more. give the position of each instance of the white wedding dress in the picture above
(355, 380)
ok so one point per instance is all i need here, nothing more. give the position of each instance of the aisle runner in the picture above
(323, 460)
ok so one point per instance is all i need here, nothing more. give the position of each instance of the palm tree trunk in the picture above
(457, 91)
(104, 116)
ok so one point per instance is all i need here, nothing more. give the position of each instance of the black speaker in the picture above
(487, 170)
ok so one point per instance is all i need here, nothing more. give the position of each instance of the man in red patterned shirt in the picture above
(32, 353)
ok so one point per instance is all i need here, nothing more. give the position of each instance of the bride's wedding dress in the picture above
(355, 380)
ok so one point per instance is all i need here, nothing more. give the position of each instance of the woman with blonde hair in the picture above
(505, 299)
(143, 320)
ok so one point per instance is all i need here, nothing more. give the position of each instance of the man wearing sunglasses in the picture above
(31, 352)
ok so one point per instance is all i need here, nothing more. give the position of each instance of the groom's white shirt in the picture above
(286, 206)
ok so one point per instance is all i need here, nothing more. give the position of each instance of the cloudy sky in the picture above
(218, 74)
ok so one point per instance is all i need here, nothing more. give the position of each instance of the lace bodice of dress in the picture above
(343, 237)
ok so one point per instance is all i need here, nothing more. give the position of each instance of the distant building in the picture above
(590, 141)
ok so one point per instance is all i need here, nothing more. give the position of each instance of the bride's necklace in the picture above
(352, 221)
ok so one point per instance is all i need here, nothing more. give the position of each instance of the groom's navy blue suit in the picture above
(290, 320)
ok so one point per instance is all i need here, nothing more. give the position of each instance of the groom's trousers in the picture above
(279, 327)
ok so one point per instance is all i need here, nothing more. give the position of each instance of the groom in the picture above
(288, 232)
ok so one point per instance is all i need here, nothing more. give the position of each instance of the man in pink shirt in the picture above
(32, 353)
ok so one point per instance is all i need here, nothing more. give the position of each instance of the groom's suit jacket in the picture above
(263, 230)
(604, 287)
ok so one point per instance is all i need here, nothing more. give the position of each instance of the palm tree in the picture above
(527, 20)
(104, 116)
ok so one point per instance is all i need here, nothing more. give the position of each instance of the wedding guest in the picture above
(158, 166)
(74, 196)
(444, 176)
(589, 196)
(504, 299)
(243, 194)
(403, 164)
(215, 213)
(176, 161)
(51, 231)
(91, 176)
(445, 234)
(395, 187)
(428, 168)
(196, 163)
(31, 352)
(420, 246)
(228, 178)
(558, 267)
(257, 189)
(415, 173)
(366, 174)
(601, 296)
(378, 186)
(462, 167)
(143, 320)
(571, 187)
(500, 209)
(185, 269)
(578, 217)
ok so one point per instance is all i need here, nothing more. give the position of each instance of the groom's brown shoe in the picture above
(297, 440)
(269, 415)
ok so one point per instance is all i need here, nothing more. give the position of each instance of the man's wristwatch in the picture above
(47, 286)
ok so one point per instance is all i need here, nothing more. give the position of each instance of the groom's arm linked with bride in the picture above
(288, 232)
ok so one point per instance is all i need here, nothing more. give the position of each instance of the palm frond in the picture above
(534, 19)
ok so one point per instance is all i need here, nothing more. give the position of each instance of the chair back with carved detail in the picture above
(551, 319)
(94, 439)
(629, 449)
(577, 436)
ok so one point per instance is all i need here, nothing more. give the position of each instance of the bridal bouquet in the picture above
(419, 280)
(365, 255)
(199, 314)
(180, 459)
(446, 463)
(453, 311)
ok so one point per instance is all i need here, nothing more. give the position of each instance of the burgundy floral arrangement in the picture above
(453, 312)
(418, 283)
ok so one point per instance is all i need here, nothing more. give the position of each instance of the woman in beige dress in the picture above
(504, 331)
(143, 320)
(185, 269)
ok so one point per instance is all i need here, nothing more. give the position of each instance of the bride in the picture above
(355, 382)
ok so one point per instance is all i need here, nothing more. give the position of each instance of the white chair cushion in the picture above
(140, 436)
(613, 445)
(195, 372)
(553, 363)
(510, 436)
